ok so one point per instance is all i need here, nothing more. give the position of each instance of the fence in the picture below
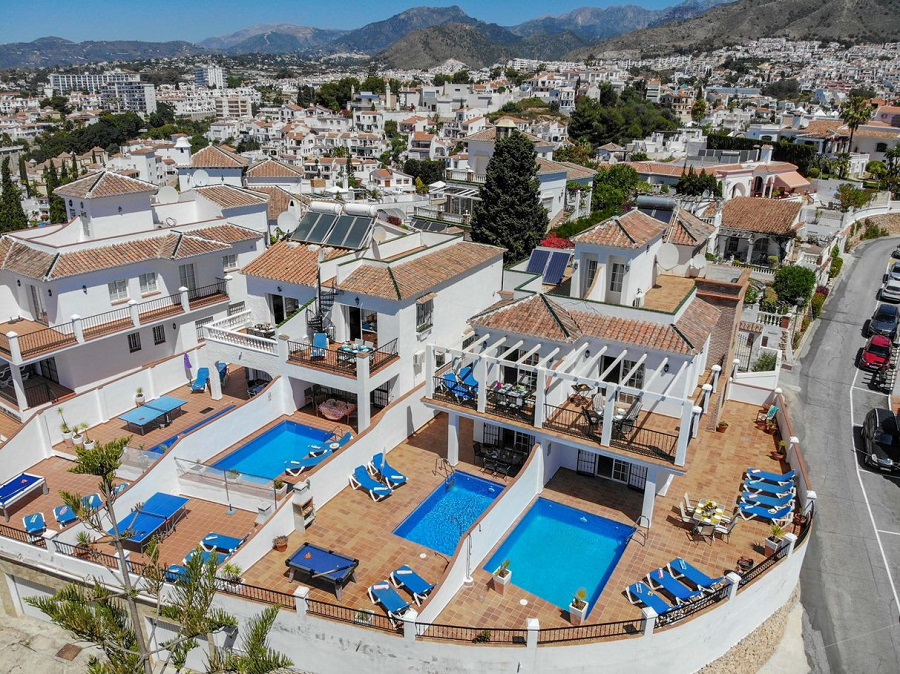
(383, 355)
(472, 635)
(260, 594)
(611, 630)
(241, 489)
(110, 321)
(346, 614)
(761, 568)
(48, 339)
(91, 554)
(22, 536)
(570, 421)
(686, 611)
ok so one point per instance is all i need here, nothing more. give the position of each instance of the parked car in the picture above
(893, 272)
(884, 321)
(896, 252)
(881, 439)
(876, 354)
(890, 291)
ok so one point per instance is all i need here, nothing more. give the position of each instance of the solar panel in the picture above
(661, 214)
(429, 225)
(358, 235)
(319, 231)
(556, 269)
(339, 232)
(538, 261)
(304, 226)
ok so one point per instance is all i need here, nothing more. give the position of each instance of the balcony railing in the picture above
(687, 610)
(645, 441)
(457, 393)
(511, 406)
(595, 632)
(384, 355)
(472, 635)
(322, 358)
(215, 292)
(240, 339)
(160, 307)
(107, 322)
(346, 614)
(570, 421)
(48, 339)
(437, 214)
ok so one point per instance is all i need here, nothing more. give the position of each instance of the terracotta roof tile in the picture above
(288, 262)
(764, 216)
(25, 260)
(269, 168)
(279, 199)
(190, 246)
(216, 157)
(229, 196)
(632, 230)
(225, 233)
(687, 229)
(103, 184)
(408, 280)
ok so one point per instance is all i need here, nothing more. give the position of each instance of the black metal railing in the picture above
(687, 610)
(346, 614)
(47, 339)
(519, 407)
(322, 357)
(160, 306)
(22, 536)
(257, 593)
(761, 568)
(472, 635)
(383, 355)
(647, 442)
(208, 291)
(105, 322)
(571, 421)
(87, 553)
(455, 392)
(612, 630)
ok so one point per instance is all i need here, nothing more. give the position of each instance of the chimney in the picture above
(765, 155)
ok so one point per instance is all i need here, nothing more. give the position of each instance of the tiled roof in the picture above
(687, 229)
(408, 280)
(656, 168)
(547, 318)
(24, 260)
(229, 196)
(287, 262)
(217, 157)
(632, 230)
(279, 199)
(575, 171)
(103, 184)
(269, 168)
(765, 216)
(225, 233)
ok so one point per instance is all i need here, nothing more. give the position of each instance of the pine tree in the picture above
(11, 214)
(57, 205)
(74, 166)
(23, 176)
(510, 213)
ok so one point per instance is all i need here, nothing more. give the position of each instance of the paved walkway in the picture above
(30, 646)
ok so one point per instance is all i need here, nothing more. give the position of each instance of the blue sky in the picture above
(193, 20)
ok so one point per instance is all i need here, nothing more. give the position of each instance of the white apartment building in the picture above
(129, 96)
(63, 83)
(211, 76)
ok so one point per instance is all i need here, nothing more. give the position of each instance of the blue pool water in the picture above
(557, 550)
(442, 519)
(266, 456)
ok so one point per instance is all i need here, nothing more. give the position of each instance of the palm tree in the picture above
(855, 112)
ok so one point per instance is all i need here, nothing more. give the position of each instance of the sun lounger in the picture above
(639, 593)
(294, 468)
(412, 582)
(749, 511)
(64, 515)
(661, 579)
(320, 345)
(767, 501)
(18, 488)
(362, 480)
(120, 488)
(315, 563)
(223, 371)
(382, 594)
(379, 466)
(176, 573)
(221, 543)
(768, 487)
(35, 525)
(92, 503)
(774, 478)
(680, 569)
(207, 555)
(200, 383)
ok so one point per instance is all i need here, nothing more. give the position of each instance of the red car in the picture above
(877, 354)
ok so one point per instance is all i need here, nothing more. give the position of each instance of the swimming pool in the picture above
(442, 519)
(266, 455)
(557, 550)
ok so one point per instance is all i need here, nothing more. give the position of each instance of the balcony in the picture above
(338, 358)
(35, 340)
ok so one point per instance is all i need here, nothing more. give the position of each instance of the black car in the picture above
(882, 441)
(884, 321)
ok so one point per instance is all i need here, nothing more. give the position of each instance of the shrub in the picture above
(823, 290)
(752, 296)
(765, 362)
(769, 301)
(794, 284)
(817, 302)
(813, 173)
(837, 263)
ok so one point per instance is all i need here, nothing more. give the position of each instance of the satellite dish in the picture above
(167, 195)
(287, 222)
(667, 257)
(699, 262)
(379, 234)
(706, 194)
(201, 178)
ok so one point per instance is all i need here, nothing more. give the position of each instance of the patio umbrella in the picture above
(187, 361)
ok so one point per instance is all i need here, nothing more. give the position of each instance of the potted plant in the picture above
(502, 577)
(722, 427)
(88, 443)
(67, 432)
(364, 617)
(781, 453)
(279, 485)
(139, 396)
(78, 434)
(483, 637)
(775, 539)
(231, 574)
(84, 545)
(280, 543)
(578, 609)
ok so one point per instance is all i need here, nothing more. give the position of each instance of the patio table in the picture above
(708, 512)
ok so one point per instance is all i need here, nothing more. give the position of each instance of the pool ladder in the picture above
(443, 467)
(641, 528)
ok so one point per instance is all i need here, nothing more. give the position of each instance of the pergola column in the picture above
(453, 439)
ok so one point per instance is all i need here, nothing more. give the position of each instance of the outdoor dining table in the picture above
(709, 512)
(349, 351)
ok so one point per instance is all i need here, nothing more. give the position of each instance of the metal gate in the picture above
(587, 463)
(744, 350)
(637, 478)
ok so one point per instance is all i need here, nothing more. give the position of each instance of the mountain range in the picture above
(423, 37)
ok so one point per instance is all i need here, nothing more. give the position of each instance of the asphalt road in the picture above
(851, 574)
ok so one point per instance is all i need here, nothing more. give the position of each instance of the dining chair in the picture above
(724, 530)
(687, 519)
(706, 531)
(687, 503)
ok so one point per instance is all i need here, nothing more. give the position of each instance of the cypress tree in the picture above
(74, 166)
(510, 213)
(57, 205)
(11, 214)
(23, 176)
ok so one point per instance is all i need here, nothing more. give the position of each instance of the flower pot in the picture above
(500, 582)
(90, 444)
(721, 428)
(139, 400)
(577, 615)
(78, 440)
(773, 545)
(67, 437)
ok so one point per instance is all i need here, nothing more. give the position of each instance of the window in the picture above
(591, 275)
(159, 334)
(881, 147)
(118, 290)
(469, 339)
(134, 342)
(637, 379)
(229, 262)
(424, 309)
(616, 277)
(148, 282)
(186, 276)
(201, 334)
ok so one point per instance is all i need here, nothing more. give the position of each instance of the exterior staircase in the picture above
(317, 315)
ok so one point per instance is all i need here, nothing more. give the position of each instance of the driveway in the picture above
(852, 570)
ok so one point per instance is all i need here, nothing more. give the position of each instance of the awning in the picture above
(791, 181)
